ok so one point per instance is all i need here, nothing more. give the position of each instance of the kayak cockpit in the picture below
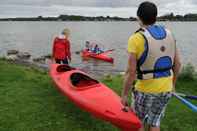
(78, 80)
(64, 68)
(81, 81)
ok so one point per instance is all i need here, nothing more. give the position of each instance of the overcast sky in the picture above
(123, 8)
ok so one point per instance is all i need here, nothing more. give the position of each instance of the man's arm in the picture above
(69, 53)
(53, 50)
(129, 77)
(176, 68)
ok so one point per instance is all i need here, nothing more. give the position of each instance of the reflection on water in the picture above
(97, 68)
(37, 37)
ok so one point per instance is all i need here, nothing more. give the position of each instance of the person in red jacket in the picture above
(61, 48)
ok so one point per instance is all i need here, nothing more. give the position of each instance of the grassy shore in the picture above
(30, 102)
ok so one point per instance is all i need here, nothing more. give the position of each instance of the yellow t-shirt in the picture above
(158, 85)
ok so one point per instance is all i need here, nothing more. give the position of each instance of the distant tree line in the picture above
(70, 18)
(166, 17)
(172, 17)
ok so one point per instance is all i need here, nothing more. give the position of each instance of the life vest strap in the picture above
(140, 73)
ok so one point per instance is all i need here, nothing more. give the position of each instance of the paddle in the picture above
(106, 52)
(186, 102)
(109, 50)
(187, 96)
(78, 52)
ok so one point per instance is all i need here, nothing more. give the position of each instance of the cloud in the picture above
(123, 8)
(56, 10)
(179, 7)
(86, 3)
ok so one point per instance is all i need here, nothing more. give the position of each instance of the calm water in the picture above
(36, 38)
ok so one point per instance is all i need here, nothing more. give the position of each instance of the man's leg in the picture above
(58, 61)
(159, 105)
(65, 61)
(154, 128)
(142, 128)
(140, 106)
(149, 128)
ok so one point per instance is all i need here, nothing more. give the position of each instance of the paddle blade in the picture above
(107, 52)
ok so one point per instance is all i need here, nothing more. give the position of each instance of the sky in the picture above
(122, 8)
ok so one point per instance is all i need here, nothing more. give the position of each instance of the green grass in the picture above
(30, 102)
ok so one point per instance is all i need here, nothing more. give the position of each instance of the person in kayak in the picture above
(87, 46)
(97, 50)
(154, 57)
(61, 48)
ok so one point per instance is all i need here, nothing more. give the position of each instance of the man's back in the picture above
(136, 44)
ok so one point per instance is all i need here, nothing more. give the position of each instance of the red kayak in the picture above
(93, 96)
(102, 56)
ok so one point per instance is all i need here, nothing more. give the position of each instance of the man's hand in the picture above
(124, 100)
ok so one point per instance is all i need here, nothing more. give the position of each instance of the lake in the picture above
(36, 38)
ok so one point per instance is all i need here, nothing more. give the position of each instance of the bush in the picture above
(188, 72)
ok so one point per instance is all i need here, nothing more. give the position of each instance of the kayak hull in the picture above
(94, 97)
(86, 54)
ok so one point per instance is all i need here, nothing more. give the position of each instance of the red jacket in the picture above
(61, 48)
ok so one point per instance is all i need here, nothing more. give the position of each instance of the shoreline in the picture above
(43, 63)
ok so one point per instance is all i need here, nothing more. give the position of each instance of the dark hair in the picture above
(147, 12)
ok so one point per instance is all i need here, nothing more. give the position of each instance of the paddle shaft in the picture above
(191, 97)
(187, 103)
(106, 51)
(187, 96)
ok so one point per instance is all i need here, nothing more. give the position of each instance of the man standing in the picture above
(153, 55)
